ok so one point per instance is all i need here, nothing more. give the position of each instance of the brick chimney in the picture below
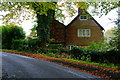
(79, 10)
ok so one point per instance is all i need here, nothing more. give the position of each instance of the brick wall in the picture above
(57, 32)
(73, 39)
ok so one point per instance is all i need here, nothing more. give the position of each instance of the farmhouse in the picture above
(81, 31)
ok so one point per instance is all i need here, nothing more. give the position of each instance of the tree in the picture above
(115, 41)
(33, 31)
(10, 33)
(44, 14)
(109, 34)
(45, 11)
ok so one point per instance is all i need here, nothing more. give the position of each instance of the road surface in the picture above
(17, 66)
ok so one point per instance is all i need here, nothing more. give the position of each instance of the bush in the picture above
(113, 56)
(9, 33)
(55, 48)
(94, 55)
(20, 44)
(33, 43)
(87, 55)
(24, 44)
(99, 47)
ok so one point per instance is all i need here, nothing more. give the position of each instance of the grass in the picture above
(107, 65)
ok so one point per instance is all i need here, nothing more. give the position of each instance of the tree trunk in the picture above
(43, 27)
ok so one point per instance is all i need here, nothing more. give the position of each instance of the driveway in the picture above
(17, 66)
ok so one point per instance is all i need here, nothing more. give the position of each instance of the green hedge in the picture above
(110, 56)
(34, 45)
(19, 44)
(83, 54)
(24, 44)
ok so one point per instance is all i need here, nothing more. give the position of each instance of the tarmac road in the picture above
(17, 66)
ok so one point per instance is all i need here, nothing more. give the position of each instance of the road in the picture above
(17, 66)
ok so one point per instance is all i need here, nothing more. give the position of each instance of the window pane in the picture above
(80, 32)
(83, 17)
(87, 32)
(83, 32)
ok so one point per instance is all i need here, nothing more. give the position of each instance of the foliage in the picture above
(33, 31)
(109, 34)
(43, 28)
(21, 8)
(101, 52)
(115, 41)
(33, 45)
(24, 44)
(100, 46)
(20, 44)
(85, 55)
(9, 33)
(103, 8)
(112, 56)
(55, 48)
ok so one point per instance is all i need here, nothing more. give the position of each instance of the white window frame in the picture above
(80, 33)
(83, 15)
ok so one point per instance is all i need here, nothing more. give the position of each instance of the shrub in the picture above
(24, 44)
(20, 44)
(99, 47)
(76, 52)
(87, 55)
(113, 56)
(55, 48)
(33, 43)
(9, 33)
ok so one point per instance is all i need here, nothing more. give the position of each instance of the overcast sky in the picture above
(104, 21)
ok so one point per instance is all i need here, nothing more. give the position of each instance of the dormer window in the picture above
(83, 17)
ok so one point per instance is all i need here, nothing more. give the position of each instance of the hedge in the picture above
(111, 56)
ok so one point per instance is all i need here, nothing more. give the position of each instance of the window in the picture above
(83, 32)
(83, 17)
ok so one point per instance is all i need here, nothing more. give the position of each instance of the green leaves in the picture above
(9, 33)
(115, 41)
(103, 8)
(100, 47)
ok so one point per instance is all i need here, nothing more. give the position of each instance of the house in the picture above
(81, 31)
(57, 32)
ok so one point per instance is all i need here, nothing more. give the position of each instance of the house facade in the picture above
(81, 31)
(57, 32)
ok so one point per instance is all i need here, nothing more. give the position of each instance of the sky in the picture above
(104, 21)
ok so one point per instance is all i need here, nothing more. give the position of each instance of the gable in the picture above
(89, 22)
